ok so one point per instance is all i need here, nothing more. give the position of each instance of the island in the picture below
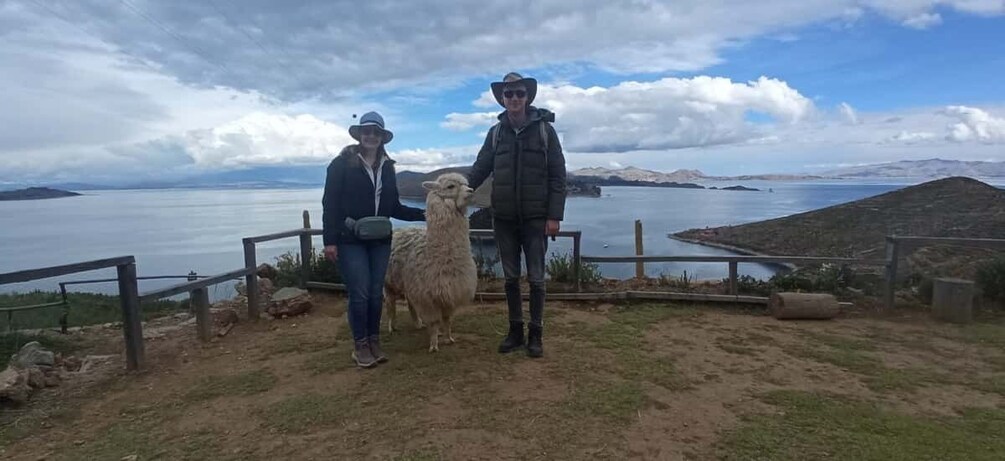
(35, 193)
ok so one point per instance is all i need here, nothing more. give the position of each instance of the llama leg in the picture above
(434, 332)
(415, 317)
(446, 327)
(391, 305)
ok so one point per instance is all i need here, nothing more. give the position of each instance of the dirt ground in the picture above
(638, 381)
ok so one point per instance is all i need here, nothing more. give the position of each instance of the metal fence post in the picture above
(251, 280)
(132, 327)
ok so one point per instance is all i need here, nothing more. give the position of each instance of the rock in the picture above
(289, 302)
(223, 317)
(52, 380)
(129, 458)
(32, 355)
(71, 363)
(93, 361)
(14, 385)
(266, 271)
(265, 289)
(288, 293)
(36, 378)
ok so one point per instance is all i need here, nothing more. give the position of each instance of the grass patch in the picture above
(818, 426)
(992, 385)
(301, 412)
(985, 334)
(622, 348)
(84, 309)
(419, 455)
(241, 384)
(877, 376)
(613, 402)
(841, 342)
(301, 344)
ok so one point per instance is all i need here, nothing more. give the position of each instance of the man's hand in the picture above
(331, 253)
(551, 227)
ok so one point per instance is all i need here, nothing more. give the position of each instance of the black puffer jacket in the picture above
(350, 193)
(527, 183)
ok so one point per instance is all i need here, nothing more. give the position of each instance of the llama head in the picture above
(450, 188)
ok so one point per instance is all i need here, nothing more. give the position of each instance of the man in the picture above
(523, 154)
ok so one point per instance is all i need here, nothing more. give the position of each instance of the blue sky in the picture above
(157, 89)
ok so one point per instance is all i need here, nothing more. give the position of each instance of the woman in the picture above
(361, 194)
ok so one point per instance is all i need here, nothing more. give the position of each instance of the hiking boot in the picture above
(534, 347)
(362, 355)
(514, 339)
(378, 353)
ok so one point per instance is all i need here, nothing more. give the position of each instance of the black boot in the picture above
(514, 339)
(534, 347)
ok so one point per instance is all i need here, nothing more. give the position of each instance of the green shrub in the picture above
(683, 282)
(486, 262)
(288, 269)
(991, 279)
(746, 284)
(562, 268)
(828, 278)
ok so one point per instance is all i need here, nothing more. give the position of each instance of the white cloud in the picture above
(670, 113)
(266, 139)
(331, 48)
(426, 160)
(912, 137)
(975, 125)
(923, 21)
(849, 113)
(462, 122)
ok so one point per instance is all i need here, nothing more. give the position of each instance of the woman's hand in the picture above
(331, 253)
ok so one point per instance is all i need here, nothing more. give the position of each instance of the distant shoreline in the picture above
(35, 193)
(734, 249)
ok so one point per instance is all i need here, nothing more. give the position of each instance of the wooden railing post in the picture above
(251, 280)
(577, 261)
(132, 327)
(892, 257)
(640, 267)
(306, 252)
(199, 298)
(733, 289)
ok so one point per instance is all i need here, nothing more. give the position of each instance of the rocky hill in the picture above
(35, 193)
(951, 207)
(932, 168)
(629, 174)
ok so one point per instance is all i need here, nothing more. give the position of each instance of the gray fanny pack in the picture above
(370, 227)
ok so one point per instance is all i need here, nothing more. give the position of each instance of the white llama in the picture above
(432, 267)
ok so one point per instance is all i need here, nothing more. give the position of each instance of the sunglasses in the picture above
(510, 93)
(370, 131)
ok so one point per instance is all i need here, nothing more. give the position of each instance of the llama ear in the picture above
(430, 185)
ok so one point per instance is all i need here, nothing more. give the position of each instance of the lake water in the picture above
(172, 232)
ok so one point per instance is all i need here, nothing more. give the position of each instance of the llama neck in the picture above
(446, 228)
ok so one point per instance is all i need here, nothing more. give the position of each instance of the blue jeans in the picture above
(514, 238)
(363, 267)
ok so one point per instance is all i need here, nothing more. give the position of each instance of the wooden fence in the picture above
(896, 246)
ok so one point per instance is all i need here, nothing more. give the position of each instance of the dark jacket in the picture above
(350, 193)
(527, 183)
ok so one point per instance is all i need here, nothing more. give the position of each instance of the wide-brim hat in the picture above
(514, 78)
(371, 119)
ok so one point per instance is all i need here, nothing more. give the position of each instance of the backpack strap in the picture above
(542, 129)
